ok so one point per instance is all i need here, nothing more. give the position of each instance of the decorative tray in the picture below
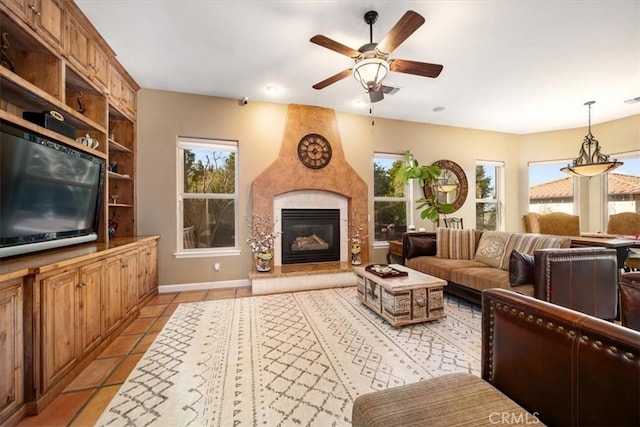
(384, 271)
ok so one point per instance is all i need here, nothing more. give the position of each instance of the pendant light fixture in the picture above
(590, 161)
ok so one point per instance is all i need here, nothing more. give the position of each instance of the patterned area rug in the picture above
(290, 359)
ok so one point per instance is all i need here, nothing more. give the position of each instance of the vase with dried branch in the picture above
(357, 239)
(261, 240)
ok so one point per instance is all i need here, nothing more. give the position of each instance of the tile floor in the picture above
(82, 402)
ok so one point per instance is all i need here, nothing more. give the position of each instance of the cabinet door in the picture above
(115, 86)
(113, 302)
(142, 272)
(47, 18)
(130, 281)
(89, 306)
(59, 320)
(11, 349)
(151, 267)
(77, 44)
(18, 7)
(129, 99)
(147, 275)
(99, 65)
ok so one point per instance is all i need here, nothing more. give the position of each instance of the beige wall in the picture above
(258, 127)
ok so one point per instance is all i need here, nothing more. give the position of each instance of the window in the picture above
(551, 190)
(389, 198)
(623, 185)
(489, 195)
(207, 196)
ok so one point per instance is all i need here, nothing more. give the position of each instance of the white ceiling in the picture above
(509, 66)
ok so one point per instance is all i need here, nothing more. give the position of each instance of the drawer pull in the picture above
(81, 285)
(419, 301)
(36, 11)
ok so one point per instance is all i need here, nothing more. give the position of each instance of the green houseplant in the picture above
(429, 175)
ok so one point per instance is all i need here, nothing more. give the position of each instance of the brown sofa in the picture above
(541, 364)
(584, 279)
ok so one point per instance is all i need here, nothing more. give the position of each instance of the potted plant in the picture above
(428, 175)
(261, 240)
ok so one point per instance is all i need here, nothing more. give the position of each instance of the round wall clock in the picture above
(314, 151)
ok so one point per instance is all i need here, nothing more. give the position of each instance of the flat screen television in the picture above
(50, 193)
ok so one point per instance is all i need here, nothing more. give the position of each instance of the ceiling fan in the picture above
(371, 60)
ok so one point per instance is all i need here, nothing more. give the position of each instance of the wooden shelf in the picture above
(14, 89)
(115, 146)
(114, 175)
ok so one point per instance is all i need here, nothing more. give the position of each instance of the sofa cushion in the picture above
(491, 247)
(437, 402)
(481, 279)
(528, 243)
(521, 267)
(419, 245)
(455, 244)
(439, 267)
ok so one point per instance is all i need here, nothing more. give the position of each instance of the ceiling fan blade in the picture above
(413, 67)
(409, 22)
(376, 95)
(323, 41)
(331, 80)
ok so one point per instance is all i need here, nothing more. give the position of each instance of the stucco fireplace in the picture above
(288, 184)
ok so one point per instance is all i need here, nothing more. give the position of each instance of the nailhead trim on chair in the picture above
(541, 322)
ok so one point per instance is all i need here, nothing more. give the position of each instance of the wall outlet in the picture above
(216, 266)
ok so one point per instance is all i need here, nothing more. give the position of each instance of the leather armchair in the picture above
(583, 279)
(630, 300)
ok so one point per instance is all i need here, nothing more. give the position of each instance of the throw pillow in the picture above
(454, 243)
(527, 244)
(521, 267)
(420, 245)
(491, 248)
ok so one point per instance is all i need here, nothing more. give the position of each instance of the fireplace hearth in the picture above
(310, 235)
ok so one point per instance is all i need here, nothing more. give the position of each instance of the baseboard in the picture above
(203, 286)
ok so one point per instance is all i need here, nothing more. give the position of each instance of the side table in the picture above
(394, 256)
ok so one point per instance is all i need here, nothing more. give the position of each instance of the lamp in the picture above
(370, 73)
(590, 161)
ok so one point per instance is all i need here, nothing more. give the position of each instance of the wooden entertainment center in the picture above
(60, 308)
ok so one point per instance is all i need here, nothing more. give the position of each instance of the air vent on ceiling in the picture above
(390, 90)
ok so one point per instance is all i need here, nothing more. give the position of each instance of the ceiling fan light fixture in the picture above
(590, 161)
(371, 72)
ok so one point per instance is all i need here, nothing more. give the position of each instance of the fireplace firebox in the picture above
(310, 235)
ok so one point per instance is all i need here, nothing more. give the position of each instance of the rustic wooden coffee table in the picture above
(404, 300)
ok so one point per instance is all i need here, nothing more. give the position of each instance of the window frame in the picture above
(575, 183)
(408, 198)
(635, 154)
(183, 143)
(499, 192)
